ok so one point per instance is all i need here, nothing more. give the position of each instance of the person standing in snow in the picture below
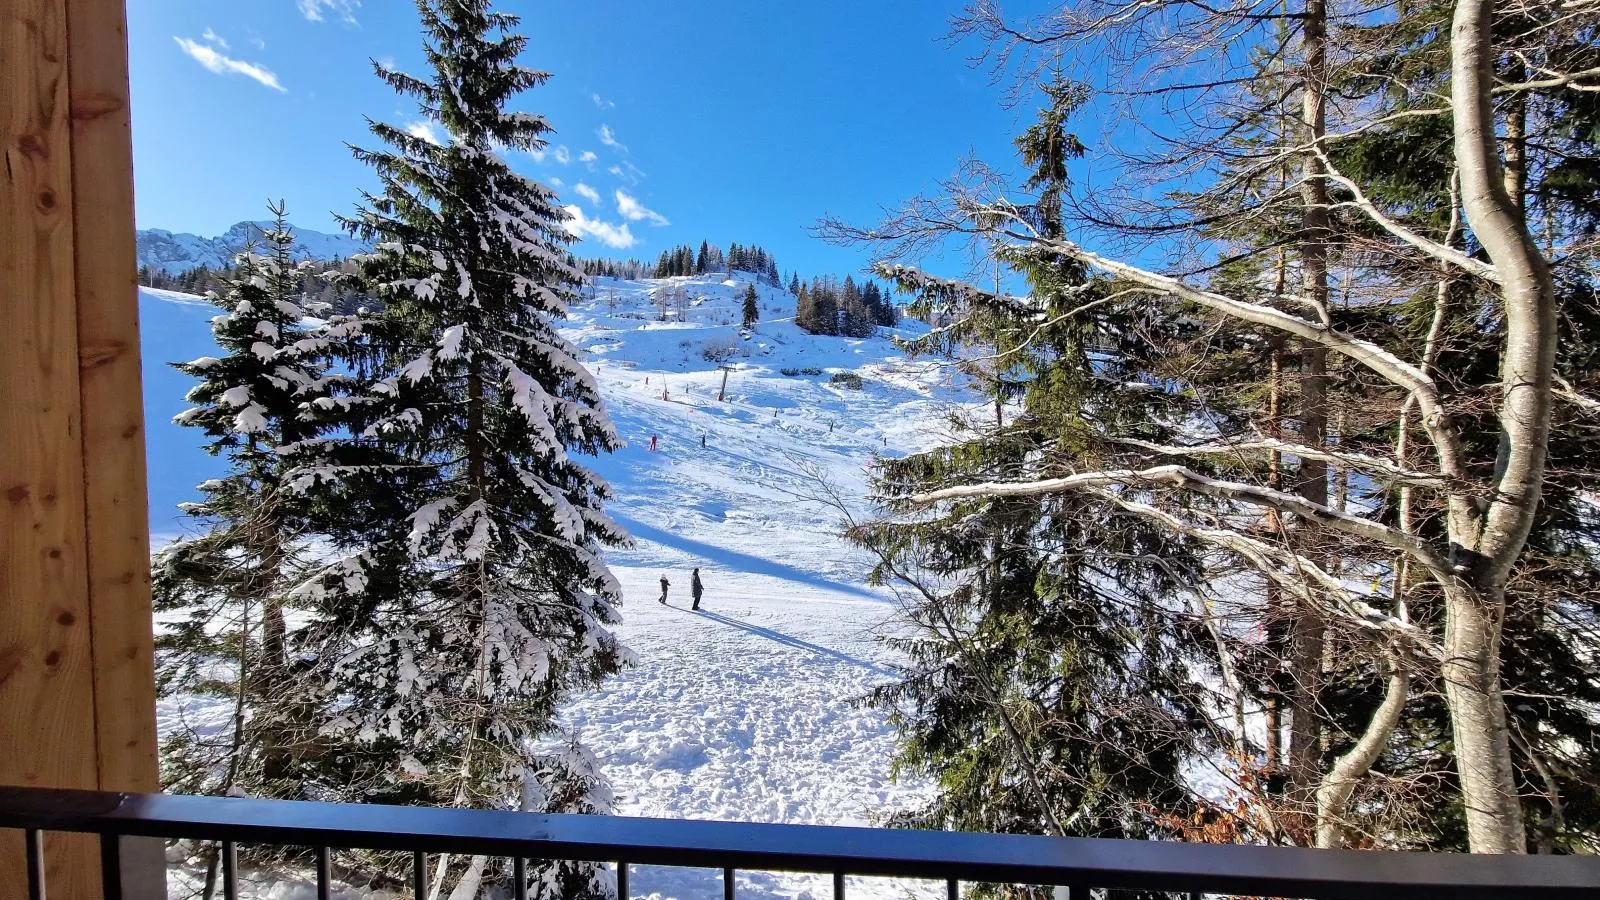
(652, 443)
(695, 588)
(664, 585)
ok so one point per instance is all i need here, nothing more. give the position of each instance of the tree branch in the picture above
(1291, 571)
(1362, 461)
(1441, 252)
(1187, 479)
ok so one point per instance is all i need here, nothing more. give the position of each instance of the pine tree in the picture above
(224, 593)
(794, 283)
(825, 308)
(804, 310)
(855, 320)
(1035, 617)
(471, 618)
(751, 309)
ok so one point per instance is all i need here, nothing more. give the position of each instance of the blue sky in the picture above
(730, 121)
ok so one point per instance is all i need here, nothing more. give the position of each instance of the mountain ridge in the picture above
(177, 252)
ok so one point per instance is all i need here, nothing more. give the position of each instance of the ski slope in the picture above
(748, 709)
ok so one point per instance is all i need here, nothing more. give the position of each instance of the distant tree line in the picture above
(624, 269)
(828, 307)
(685, 260)
(195, 281)
(320, 281)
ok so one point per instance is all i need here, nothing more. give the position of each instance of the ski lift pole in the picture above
(722, 391)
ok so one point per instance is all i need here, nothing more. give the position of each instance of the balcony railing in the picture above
(1080, 864)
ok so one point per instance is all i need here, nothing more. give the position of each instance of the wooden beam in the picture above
(76, 690)
(115, 494)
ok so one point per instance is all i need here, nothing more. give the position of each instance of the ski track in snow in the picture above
(747, 710)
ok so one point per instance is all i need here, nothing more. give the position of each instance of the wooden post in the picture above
(77, 693)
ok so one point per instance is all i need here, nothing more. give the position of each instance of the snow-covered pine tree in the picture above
(486, 606)
(223, 593)
(750, 308)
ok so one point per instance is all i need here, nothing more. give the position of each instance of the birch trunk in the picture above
(1485, 545)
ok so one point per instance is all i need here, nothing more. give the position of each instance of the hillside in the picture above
(744, 710)
(165, 251)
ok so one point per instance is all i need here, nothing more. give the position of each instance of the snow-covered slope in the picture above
(176, 253)
(745, 709)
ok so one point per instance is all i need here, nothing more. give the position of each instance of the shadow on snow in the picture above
(733, 559)
(791, 641)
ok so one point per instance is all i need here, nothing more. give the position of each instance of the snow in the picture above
(747, 709)
(176, 253)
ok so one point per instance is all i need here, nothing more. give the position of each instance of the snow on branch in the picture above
(1293, 572)
(1418, 384)
(1370, 464)
(1438, 251)
(1571, 395)
(1188, 479)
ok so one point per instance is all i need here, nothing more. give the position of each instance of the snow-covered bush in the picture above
(719, 350)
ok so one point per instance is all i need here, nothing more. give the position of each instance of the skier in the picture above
(664, 585)
(652, 443)
(695, 588)
(702, 440)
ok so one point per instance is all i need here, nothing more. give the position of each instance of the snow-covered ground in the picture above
(746, 710)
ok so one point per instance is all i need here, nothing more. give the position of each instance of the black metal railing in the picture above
(1079, 864)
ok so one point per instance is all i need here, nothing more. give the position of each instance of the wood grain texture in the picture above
(76, 694)
(112, 401)
(46, 677)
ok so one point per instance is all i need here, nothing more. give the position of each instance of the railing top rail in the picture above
(1155, 865)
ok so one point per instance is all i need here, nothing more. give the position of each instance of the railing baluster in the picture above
(419, 875)
(519, 874)
(230, 870)
(34, 843)
(622, 880)
(838, 886)
(727, 884)
(324, 873)
(952, 889)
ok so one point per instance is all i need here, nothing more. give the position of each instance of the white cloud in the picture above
(617, 236)
(211, 37)
(562, 155)
(314, 9)
(556, 182)
(587, 156)
(425, 130)
(633, 211)
(609, 138)
(600, 101)
(587, 193)
(216, 62)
